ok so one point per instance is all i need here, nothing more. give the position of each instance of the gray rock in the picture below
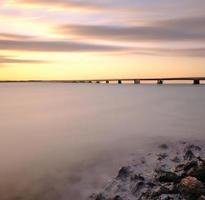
(188, 155)
(163, 146)
(124, 172)
(100, 197)
(117, 198)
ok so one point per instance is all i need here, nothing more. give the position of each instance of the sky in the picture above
(91, 39)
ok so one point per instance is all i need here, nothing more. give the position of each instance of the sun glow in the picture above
(47, 40)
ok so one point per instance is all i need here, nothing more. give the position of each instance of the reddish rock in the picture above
(201, 197)
(191, 186)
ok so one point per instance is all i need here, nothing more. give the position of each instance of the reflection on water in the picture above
(64, 141)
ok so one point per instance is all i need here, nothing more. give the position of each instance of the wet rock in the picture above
(169, 188)
(124, 172)
(137, 177)
(194, 147)
(169, 197)
(117, 198)
(138, 186)
(201, 197)
(162, 156)
(163, 146)
(166, 176)
(146, 194)
(151, 184)
(191, 186)
(186, 166)
(143, 161)
(190, 165)
(100, 197)
(176, 159)
(198, 172)
(159, 191)
(179, 178)
(188, 155)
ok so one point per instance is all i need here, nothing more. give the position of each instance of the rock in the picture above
(100, 197)
(162, 156)
(190, 165)
(178, 175)
(143, 161)
(166, 176)
(117, 198)
(188, 155)
(137, 177)
(169, 188)
(124, 172)
(198, 172)
(176, 159)
(137, 187)
(159, 191)
(169, 197)
(191, 186)
(186, 166)
(201, 197)
(163, 146)
(194, 147)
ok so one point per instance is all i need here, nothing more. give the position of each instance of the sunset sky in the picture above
(85, 39)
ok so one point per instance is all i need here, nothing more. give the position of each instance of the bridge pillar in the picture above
(97, 82)
(136, 81)
(160, 82)
(89, 81)
(107, 82)
(196, 82)
(119, 81)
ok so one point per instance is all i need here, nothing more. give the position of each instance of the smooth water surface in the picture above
(64, 141)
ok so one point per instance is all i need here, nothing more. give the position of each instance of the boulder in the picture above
(189, 155)
(202, 197)
(191, 186)
(124, 172)
(117, 198)
(186, 166)
(100, 197)
(198, 172)
(163, 146)
(166, 176)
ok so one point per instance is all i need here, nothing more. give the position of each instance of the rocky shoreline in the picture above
(173, 172)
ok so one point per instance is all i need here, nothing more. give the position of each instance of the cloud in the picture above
(14, 36)
(192, 52)
(65, 4)
(83, 5)
(56, 46)
(182, 29)
(193, 24)
(10, 60)
(59, 46)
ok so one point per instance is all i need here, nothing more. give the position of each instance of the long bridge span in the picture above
(193, 80)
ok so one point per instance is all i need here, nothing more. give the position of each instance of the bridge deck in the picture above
(195, 80)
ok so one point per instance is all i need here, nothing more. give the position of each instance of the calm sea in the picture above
(65, 141)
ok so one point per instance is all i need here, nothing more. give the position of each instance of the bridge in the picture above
(160, 81)
(194, 80)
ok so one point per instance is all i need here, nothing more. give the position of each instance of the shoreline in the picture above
(174, 171)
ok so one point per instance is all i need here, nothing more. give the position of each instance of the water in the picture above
(65, 141)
